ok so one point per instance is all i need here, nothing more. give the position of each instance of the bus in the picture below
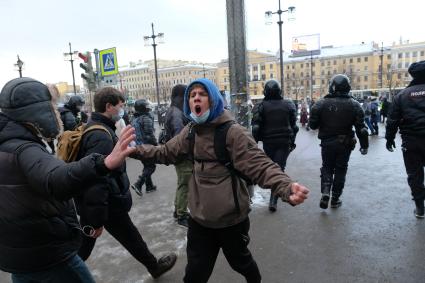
(359, 94)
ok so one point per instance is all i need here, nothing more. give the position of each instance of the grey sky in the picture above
(39, 31)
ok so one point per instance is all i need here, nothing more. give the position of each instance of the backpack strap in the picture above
(97, 127)
(191, 138)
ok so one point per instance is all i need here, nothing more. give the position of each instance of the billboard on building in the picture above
(305, 45)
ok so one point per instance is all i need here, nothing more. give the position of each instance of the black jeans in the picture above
(277, 152)
(123, 230)
(335, 157)
(203, 245)
(414, 161)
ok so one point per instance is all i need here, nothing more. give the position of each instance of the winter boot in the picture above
(419, 211)
(273, 203)
(165, 263)
(137, 187)
(335, 202)
(182, 221)
(149, 185)
(325, 188)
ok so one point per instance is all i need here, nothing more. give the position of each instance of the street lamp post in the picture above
(160, 37)
(19, 64)
(71, 59)
(268, 16)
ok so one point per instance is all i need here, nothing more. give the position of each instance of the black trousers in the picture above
(203, 245)
(335, 157)
(414, 161)
(277, 152)
(123, 230)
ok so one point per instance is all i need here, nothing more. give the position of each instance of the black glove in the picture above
(292, 146)
(390, 145)
(363, 151)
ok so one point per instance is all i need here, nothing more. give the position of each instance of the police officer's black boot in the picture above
(325, 187)
(149, 185)
(137, 187)
(273, 203)
(419, 210)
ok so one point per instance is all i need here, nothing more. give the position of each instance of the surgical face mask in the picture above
(201, 119)
(118, 116)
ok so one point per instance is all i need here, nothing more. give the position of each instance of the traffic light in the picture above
(89, 76)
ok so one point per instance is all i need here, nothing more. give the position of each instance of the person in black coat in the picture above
(40, 232)
(143, 122)
(106, 201)
(408, 114)
(274, 123)
(334, 116)
(69, 112)
(175, 121)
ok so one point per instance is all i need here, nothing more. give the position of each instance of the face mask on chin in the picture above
(200, 119)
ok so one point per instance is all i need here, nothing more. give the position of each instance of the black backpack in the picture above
(222, 154)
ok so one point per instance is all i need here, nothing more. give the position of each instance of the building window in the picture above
(365, 68)
(399, 76)
(422, 53)
(255, 68)
(263, 67)
(287, 76)
(358, 60)
(351, 60)
(399, 65)
(366, 59)
(322, 63)
(365, 78)
(406, 75)
(322, 72)
(271, 66)
(271, 76)
(343, 61)
(329, 63)
(406, 65)
(307, 65)
(255, 77)
(334, 62)
(415, 54)
(388, 67)
(263, 77)
(400, 55)
(302, 74)
(287, 67)
(293, 66)
(225, 71)
(358, 79)
(302, 65)
(334, 72)
(407, 54)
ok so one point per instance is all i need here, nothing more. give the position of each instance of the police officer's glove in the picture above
(390, 145)
(363, 151)
(292, 146)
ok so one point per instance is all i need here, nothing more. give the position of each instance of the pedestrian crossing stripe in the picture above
(108, 62)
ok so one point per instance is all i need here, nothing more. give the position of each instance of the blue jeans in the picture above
(73, 270)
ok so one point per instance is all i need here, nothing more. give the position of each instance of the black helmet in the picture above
(272, 88)
(339, 84)
(141, 105)
(75, 101)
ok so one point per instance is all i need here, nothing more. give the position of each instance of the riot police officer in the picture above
(334, 116)
(69, 112)
(274, 123)
(408, 114)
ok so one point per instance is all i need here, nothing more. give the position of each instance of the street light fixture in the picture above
(291, 16)
(160, 39)
(70, 53)
(19, 64)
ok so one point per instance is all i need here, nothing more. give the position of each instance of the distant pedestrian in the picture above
(334, 116)
(106, 201)
(70, 112)
(274, 123)
(385, 106)
(374, 115)
(40, 233)
(143, 122)
(367, 114)
(304, 114)
(218, 197)
(408, 114)
(175, 121)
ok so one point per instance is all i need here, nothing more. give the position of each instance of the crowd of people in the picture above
(52, 211)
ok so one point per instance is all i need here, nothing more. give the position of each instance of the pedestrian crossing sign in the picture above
(108, 62)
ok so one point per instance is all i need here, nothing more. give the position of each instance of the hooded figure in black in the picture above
(334, 116)
(40, 233)
(274, 123)
(175, 120)
(408, 114)
(69, 113)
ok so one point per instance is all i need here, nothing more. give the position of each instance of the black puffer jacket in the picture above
(175, 120)
(407, 112)
(336, 115)
(103, 195)
(274, 121)
(38, 223)
(143, 122)
(68, 117)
